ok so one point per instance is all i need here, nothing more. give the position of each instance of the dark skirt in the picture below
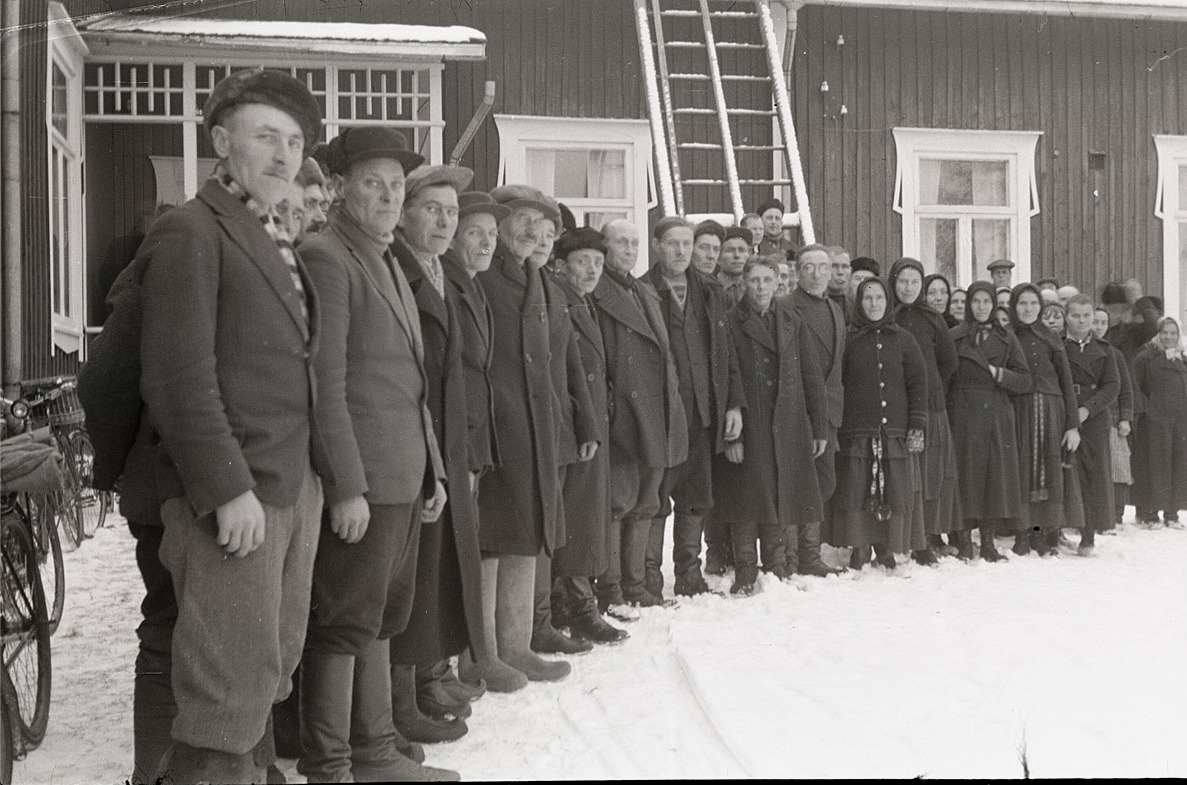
(437, 627)
(986, 440)
(1162, 462)
(852, 525)
(586, 503)
(937, 465)
(1041, 419)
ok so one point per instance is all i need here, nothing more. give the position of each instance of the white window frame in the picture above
(517, 133)
(1172, 153)
(1017, 148)
(67, 52)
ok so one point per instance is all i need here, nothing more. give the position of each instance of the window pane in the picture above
(1183, 188)
(58, 102)
(578, 174)
(598, 219)
(55, 231)
(991, 241)
(937, 246)
(982, 183)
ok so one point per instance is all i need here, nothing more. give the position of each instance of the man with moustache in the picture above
(648, 430)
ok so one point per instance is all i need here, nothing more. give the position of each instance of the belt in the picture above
(1078, 387)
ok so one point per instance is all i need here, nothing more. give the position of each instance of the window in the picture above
(599, 169)
(67, 255)
(1171, 206)
(966, 198)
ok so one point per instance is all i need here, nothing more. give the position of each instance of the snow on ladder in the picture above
(664, 110)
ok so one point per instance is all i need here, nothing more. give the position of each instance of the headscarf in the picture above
(861, 322)
(1037, 327)
(1175, 353)
(892, 283)
(979, 330)
(927, 281)
(948, 317)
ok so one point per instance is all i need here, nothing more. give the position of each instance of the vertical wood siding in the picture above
(1089, 85)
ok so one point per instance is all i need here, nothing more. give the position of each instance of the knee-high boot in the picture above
(327, 686)
(407, 716)
(153, 710)
(496, 674)
(513, 621)
(810, 562)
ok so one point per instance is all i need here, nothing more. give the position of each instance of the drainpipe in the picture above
(10, 193)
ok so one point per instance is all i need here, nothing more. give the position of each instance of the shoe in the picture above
(744, 581)
(411, 723)
(779, 571)
(458, 689)
(1021, 543)
(691, 587)
(183, 763)
(590, 626)
(859, 557)
(925, 557)
(885, 557)
(1087, 551)
(436, 703)
(820, 570)
(550, 641)
(809, 561)
(492, 673)
(989, 551)
(623, 612)
(964, 545)
(645, 599)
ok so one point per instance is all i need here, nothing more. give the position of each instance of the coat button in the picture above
(884, 404)
(634, 394)
(884, 421)
(543, 316)
(589, 377)
(527, 358)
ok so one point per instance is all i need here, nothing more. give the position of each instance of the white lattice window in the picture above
(67, 249)
(599, 169)
(1171, 206)
(966, 198)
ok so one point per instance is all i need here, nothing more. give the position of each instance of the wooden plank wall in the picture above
(1089, 85)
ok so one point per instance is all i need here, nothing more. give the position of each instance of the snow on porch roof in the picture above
(1161, 10)
(340, 38)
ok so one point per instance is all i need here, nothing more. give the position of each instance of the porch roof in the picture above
(120, 31)
(1163, 10)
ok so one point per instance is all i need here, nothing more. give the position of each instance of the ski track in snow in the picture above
(936, 672)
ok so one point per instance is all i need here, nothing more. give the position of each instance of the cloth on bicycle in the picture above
(30, 466)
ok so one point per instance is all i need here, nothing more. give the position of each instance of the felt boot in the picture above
(513, 622)
(497, 675)
(988, 549)
(435, 702)
(409, 720)
(1021, 543)
(964, 547)
(884, 556)
(859, 557)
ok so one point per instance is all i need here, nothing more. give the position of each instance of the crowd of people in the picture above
(389, 421)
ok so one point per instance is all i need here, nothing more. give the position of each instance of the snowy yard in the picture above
(943, 672)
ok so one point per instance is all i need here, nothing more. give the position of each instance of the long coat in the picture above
(519, 500)
(586, 492)
(478, 349)
(647, 418)
(447, 605)
(1097, 382)
(983, 424)
(1162, 444)
(725, 381)
(1042, 417)
(828, 351)
(786, 410)
(886, 396)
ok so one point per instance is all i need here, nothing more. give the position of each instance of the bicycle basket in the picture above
(65, 409)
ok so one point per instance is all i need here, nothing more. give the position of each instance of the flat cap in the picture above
(473, 202)
(271, 88)
(1001, 263)
(515, 196)
(427, 176)
(362, 143)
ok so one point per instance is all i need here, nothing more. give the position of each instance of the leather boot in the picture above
(409, 721)
(859, 557)
(791, 548)
(637, 536)
(286, 720)
(988, 549)
(497, 675)
(433, 700)
(182, 763)
(964, 545)
(549, 640)
(153, 710)
(454, 686)
(327, 686)
(1022, 543)
(513, 621)
(810, 562)
(885, 556)
(653, 555)
(374, 741)
(771, 548)
(686, 554)
(588, 624)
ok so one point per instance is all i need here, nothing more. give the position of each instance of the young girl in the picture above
(879, 498)
(1160, 373)
(992, 368)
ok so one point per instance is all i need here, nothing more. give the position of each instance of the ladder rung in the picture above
(762, 182)
(737, 45)
(693, 110)
(698, 146)
(754, 148)
(678, 12)
(743, 78)
(703, 182)
(734, 14)
(684, 44)
(758, 112)
(690, 77)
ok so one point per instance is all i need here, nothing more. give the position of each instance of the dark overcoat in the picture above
(647, 418)
(447, 604)
(477, 328)
(573, 409)
(518, 501)
(725, 380)
(983, 424)
(1042, 417)
(586, 492)
(828, 352)
(1097, 383)
(1162, 443)
(786, 410)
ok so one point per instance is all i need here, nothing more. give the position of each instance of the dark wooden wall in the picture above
(1089, 85)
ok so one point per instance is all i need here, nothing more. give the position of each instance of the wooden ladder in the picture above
(671, 34)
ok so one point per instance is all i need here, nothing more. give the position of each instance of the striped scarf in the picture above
(270, 220)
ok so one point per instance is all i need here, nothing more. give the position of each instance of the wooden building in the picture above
(1051, 133)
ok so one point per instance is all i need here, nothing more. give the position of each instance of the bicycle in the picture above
(24, 634)
(53, 401)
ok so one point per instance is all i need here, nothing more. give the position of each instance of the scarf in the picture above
(862, 323)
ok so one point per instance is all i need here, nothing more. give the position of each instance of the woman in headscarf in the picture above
(991, 369)
(1160, 373)
(1048, 424)
(879, 499)
(941, 501)
(956, 307)
(936, 295)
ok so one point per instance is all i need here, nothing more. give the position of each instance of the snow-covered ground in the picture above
(955, 671)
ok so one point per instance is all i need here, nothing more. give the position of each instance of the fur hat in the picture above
(1112, 294)
(865, 264)
(768, 204)
(272, 88)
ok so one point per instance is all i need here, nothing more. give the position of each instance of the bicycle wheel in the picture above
(24, 631)
(92, 503)
(8, 741)
(48, 544)
(68, 503)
